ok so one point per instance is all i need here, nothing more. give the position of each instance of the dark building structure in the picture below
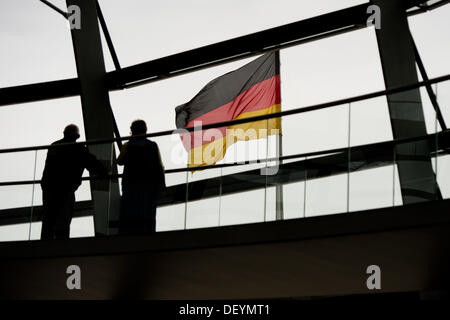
(314, 257)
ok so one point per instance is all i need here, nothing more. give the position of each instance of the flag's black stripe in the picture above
(226, 88)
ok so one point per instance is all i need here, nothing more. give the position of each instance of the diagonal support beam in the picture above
(405, 108)
(51, 5)
(108, 39)
(430, 92)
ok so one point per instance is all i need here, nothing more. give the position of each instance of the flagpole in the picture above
(279, 149)
(279, 187)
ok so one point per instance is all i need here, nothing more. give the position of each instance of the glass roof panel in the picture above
(145, 30)
(35, 44)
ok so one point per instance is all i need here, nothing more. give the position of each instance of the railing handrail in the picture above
(381, 144)
(245, 120)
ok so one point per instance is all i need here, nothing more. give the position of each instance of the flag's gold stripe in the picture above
(214, 151)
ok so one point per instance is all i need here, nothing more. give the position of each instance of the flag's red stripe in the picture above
(202, 137)
(199, 138)
(259, 96)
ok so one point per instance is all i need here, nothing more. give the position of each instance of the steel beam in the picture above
(405, 108)
(312, 29)
(97, 114)
(39, 91)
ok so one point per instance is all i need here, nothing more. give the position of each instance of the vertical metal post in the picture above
(279, 187)
(97, 114)
(349, 154)
(32, 195)
(267, 165)
(279, 149)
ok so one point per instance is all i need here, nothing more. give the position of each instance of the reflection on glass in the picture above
(32, 195)
(82, 227)
(15, 196)
(371, 177)
(270, 210)
(397, 191)
(371, 188)
(170, 213)
(442, 164)
(170, 217)
(274, 207)
(293, 200)
(14, 232)
(203, 208)
(17, 166)
(417, 178)
(326, 195)
(370, 122)
(242, 207)
(315, 131)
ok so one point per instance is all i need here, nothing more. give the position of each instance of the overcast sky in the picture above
(36, 46)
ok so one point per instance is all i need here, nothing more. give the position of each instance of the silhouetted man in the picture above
(143, 178)
(64, 167)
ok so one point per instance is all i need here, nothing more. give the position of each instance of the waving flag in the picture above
(249, 91)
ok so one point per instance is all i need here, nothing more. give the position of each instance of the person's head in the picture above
(138, 127)
(71, 132)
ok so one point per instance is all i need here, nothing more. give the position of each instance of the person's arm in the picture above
(162, 176)
(93, 165)
(123, 155)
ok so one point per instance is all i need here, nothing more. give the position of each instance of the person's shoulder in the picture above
(134, 142)
(152, 144)
(80, 148)
(56, 151)
(58, 141)
(124, 146)
(148, 142)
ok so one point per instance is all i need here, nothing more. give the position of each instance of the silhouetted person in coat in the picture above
(143, 178)
(64, 167)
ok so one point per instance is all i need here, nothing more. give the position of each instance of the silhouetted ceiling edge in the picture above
(222, 52)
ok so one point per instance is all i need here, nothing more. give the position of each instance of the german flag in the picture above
(249, 91)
